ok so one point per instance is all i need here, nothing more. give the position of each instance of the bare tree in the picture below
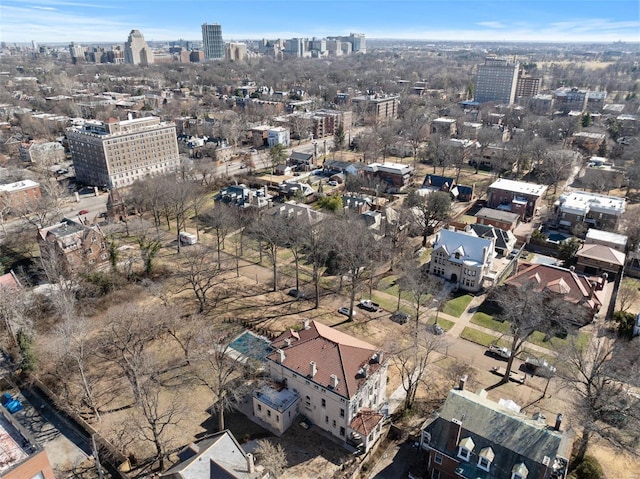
(272, 457)
(317, 240)
(222, 221)
(356, 252)
(14, 313)
(598, 377)
(154, 418)
(212, 367)
(628, 295)
(270, 232)
(528, 308)
(179, 197)
(199, 275)
(412, 357)
(432, 211)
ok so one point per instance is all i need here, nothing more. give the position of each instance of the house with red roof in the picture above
(338, 382)
(577, 289)
(597, 259)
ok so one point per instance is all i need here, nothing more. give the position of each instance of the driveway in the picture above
(395, 462)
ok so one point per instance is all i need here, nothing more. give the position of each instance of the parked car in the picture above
(332, 183)
(62, 171)
(437, 330)
(83, 212)
(296, 293)
(399, 317)
(346, 311)
(540, 367)
(368, 305)
(501, 352)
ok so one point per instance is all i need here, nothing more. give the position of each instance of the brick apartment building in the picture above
(515, 196)
(19, 194)
(378, 108)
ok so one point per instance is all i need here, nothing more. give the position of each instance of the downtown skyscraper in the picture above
(212, 41)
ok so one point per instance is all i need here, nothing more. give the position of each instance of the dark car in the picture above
(83, 212)
(399, 317)
(296, 293)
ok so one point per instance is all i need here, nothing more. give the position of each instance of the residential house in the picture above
(596, 259)
(606, 238)
(20, 456)
(590, 142)
(449, 185)
(302, 160)
(278, 136)
(292, 209)
(396, 176)
(290, 189)
(78, 245)
(629, 124)
(244, 197)
(19, 194)
(575, 289)
(472, 436)
(515, 196)
(462, 258)
(505, 220)
(43, 153)
(284, 169)
(338, 382)
(343, 167)
(217, 456)
(504, 240)
(602, 175)
(470, 130)
(444, 126)
(594, 210)
(259, 135)
(9, 281)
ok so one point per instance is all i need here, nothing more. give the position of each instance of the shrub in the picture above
(589, 468)
(625, 322)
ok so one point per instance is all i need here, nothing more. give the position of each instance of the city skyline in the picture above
(88, 21)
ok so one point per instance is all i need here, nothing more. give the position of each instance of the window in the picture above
(341, 412)
(326, 419)
(259, 407)
(342, 431)
(435, 474)
(484, 463)
(464, 453)
(324, 402)
(334, 423)
(437, 458)
(269, 412)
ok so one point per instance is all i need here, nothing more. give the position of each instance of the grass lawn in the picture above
(487, 321)
(556, 344)
(481, 338)
(388, 285)
(426, 255)
(445, 323)
(389, 304)
(456, 306)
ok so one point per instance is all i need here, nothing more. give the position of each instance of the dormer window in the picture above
(519, 471)
(485, 458)
(465, 446)
(457, 255)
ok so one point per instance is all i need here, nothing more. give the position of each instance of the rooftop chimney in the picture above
(558, 422)
(462, 383)
(250, 465)
(281, 356)
(305, 324)
(333, 381)
(287, 342)
(312, 368)
(455, 427)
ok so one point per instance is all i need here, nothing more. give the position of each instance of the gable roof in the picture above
(219, 456)
(576, 289)
(301, 156)
(470, 247)
(512, 437)
(602, 253)
(334, 352)
(500, 215)
(435, 181)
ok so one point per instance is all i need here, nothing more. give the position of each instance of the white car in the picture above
(332, 183)
(346, 311)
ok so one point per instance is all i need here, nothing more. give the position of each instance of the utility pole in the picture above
(96, 456)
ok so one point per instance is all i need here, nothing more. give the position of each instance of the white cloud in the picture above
(491, 24)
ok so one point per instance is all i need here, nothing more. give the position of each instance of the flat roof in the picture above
(520, 187)
(19, 185)
(607, 236)
(582, 202)
(11, 451)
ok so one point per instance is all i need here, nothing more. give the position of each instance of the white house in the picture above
(336, 381)
(278, 136)
(462, 258)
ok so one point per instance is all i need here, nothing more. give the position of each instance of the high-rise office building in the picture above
(116, 153)
(496, 81)
(136, 51)
(212, 41)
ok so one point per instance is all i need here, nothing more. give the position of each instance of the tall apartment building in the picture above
(236, 52)
(379, 108)
(212, 41)
(527, 86)
(571, 99)
(496, 81)
(116, 153)
(136, 50)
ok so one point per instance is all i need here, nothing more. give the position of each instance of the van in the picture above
(188, 238)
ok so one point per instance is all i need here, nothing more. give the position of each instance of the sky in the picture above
(92, 21)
